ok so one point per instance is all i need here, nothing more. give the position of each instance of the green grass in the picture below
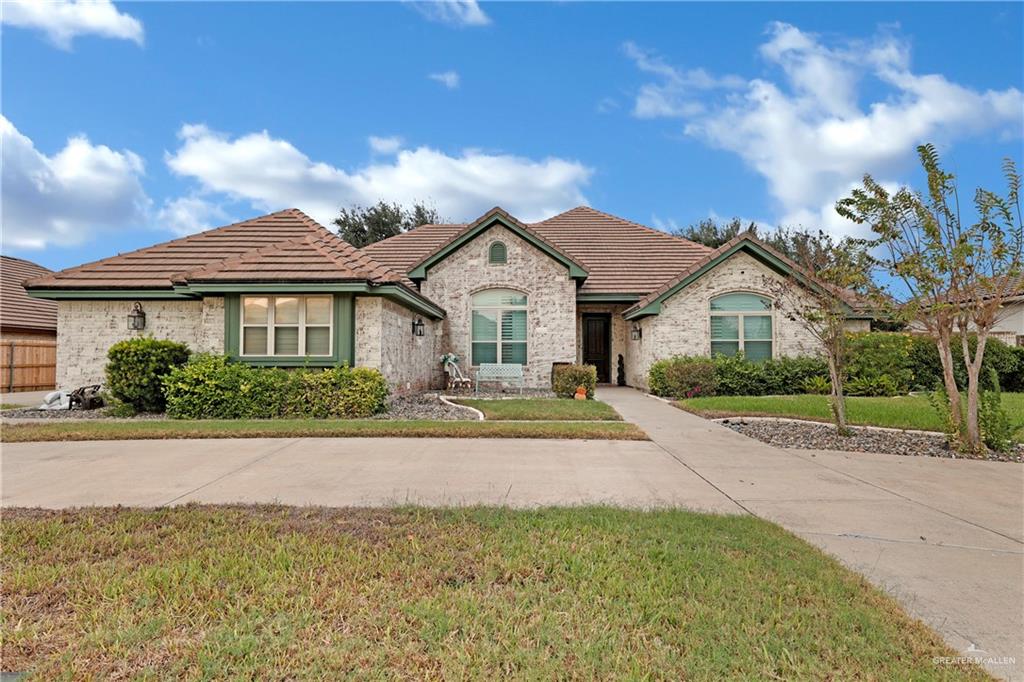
(297, 428)
(902, 412)
(542, 409)
(10, 406)
(483, 593)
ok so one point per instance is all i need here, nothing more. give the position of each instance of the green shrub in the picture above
(567, 378)
(993, 420)
(924, 364)
(683, 377)
(818, 385)
(213, 387)
(1014, 381)
(880, 362)
(783, 376)
(874, 385)
(136, 369)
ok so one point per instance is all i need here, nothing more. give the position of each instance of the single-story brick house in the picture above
(282, 290)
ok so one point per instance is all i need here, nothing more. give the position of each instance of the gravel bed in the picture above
(424, 406)
(23, 413)
(824, 437)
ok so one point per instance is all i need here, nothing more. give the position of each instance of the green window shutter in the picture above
(497, 254)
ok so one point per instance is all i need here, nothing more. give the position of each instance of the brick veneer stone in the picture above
(384, 341)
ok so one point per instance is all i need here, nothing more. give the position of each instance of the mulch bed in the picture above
(809, 436)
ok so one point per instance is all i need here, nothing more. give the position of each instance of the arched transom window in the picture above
(497, 254)
(741, 323)
(499, 327)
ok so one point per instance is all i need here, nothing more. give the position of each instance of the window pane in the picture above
(513, 325)
(725, 327)
(485, 326)
(286, 310)
(318, 340)
(485, 352)
(255, 310)
(513, 353)
(318, 310)
(498, 297)
(757, 351)
(286, 340)
(757, 327)
(254, 341)
(725, 347)
(741, 302)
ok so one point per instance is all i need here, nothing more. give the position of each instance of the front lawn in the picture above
(298, 428)
(542, 409)
(902, 412)
(311, 593)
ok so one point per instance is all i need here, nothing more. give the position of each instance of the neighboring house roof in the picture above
(17, 310)
(620, 257)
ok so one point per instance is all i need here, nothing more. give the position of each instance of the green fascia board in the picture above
(420, 271)
(405, 297)
(772, 261)
(607, 298)
(116, 294)
(342, 352)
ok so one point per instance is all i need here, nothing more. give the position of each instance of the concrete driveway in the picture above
(944, 537)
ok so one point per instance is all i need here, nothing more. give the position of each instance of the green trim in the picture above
(344, 335)
(117, 294)
(607, 298)
(408, 299)
(420, 270)
(769, 259)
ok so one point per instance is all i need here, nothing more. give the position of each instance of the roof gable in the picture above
(17, 310)
(501, 217)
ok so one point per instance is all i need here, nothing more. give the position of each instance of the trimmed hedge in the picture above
(136, 369)
(565, 379)
(213, 387)
(683, 377)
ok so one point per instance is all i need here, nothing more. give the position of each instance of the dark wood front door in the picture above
(597, 345)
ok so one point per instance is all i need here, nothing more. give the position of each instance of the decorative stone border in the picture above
(446, 401)
(791, 420)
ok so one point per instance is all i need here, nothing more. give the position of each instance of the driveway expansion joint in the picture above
(289, 443)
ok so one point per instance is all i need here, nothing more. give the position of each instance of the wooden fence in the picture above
(28, 365)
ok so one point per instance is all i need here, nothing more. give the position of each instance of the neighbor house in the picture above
(28, 329)
(581, 286)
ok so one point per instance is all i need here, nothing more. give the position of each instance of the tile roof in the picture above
(275, 247)
(17, 310)
(620, 257)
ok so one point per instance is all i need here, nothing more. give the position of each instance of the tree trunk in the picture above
(838, 399)
(973, 389)
(945, 346)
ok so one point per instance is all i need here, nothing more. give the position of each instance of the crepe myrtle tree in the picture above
(827, 282)
(955, 276)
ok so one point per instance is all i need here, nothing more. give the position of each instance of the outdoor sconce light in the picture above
(137, 318)
(636, 333)
(417, 327)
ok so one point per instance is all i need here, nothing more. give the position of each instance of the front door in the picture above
(597, 345)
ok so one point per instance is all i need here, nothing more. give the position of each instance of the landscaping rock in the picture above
(809, 436)
(425, 406)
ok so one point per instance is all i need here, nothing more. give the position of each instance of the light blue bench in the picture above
(489, 371)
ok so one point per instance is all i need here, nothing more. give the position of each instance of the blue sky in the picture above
(129, 124)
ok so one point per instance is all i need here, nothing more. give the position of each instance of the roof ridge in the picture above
(657, 232)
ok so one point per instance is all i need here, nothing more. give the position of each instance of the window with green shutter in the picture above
(742, 323)
(499, 327)
(497, 254)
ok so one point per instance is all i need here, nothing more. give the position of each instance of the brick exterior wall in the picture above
(684, 325)
(551, 302)
(87, 329)
(384, 341)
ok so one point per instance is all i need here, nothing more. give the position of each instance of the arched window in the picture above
(499, 327)
(742, 322)
(497, 254)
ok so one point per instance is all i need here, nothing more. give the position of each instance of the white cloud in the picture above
(449, 79)
(187, 215)
(677, 91)
(65, 20)
(453, 12)
(271, 174)
(806, 132)
(66, 198)
(385, 145)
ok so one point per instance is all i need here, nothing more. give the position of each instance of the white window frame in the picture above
(271, 324)
(498, 310)
(740, 314)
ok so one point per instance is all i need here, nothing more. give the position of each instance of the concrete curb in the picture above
(478, 413)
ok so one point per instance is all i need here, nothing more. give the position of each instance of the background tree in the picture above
(360, 225)
(839, 275)
(955, 276)
(787, 241)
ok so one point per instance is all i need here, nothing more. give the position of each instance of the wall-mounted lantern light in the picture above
(636, 333)
(417, 327)
(137, 318)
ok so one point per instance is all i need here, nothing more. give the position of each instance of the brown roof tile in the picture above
(17, 310)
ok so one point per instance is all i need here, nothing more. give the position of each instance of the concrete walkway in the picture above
(945, 537)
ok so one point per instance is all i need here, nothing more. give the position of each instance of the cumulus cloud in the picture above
(65, 199)
(677, 91)
(65, 20)
(271, 174)
(453, 12)
(384, 145)
(807, 132)
(449, 79)
(190, 214)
